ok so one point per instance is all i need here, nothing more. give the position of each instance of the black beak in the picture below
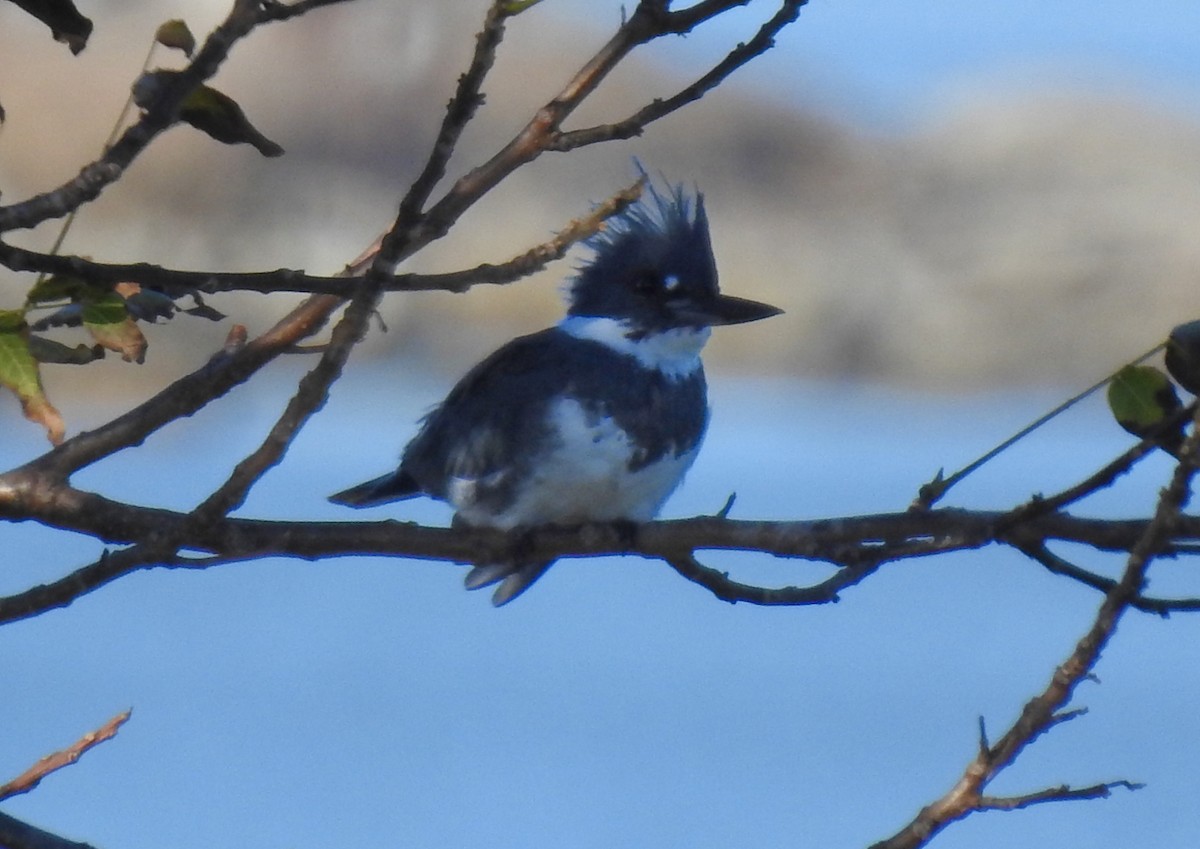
(726, 309)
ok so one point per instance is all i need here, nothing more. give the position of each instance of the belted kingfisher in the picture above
(596, 419)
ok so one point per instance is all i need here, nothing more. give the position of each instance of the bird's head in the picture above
(653, 270)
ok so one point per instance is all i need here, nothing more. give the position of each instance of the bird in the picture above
(596, 419)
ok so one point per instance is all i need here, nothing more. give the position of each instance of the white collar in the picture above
(674, 352)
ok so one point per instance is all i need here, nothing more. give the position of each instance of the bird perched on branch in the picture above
(596, 419)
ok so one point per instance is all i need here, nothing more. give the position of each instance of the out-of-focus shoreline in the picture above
(1019, 237)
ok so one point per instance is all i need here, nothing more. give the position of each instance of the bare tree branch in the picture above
(33, 776)
(1038, 552)
(177, 283)
(467, 99)
(1042, 712)
(856, 546)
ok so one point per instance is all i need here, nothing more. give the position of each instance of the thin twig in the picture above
(535, 258)
(1103, 477)
(683, 21)
(33, 776)
(725, 589)
(1062, 793)
(1038, 552)
(931, 492)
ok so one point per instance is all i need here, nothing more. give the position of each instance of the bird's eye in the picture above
(649, 281)
(652, 282)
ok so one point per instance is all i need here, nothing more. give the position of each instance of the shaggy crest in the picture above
(658, 246)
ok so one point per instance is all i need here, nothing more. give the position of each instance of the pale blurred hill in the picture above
(1016, 237)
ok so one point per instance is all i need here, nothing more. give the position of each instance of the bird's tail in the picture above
(390, 487)
(513, 578)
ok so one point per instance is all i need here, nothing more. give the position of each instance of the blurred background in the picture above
(968, 211)
(938, 198)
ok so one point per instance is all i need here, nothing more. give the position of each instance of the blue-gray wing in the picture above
(495, 424)
(492, 423)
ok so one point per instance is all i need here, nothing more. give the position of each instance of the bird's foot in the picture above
(627, 532)
(513, 578)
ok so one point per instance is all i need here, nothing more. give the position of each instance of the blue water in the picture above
(366, 701)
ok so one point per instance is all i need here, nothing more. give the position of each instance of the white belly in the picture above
(583, 477)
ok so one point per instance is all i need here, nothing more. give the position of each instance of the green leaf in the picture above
(58, 287)
(1142, 400)
(11, 321)
(19, 373)
(208, 110)
(108, 309)
(1183, 355)
(1141, 396)
(176, 35)
(109, 323)
(516, 7)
